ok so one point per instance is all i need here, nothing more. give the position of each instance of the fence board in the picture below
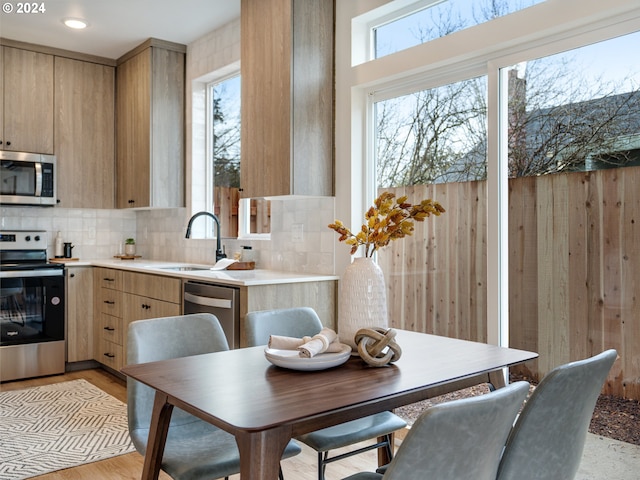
(612, 287)
(578, 268)
(523, 268)
(630, 324)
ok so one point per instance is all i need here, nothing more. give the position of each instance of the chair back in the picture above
(459, 440)
(290, 322)
(161, 339)
(548, 438)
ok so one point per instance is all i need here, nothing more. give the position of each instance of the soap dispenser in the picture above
(59, 247)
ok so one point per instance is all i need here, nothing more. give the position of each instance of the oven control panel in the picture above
(23, 240)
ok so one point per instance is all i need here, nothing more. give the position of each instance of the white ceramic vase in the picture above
(363, 300)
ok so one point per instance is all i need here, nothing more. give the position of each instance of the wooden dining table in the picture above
(265, 406)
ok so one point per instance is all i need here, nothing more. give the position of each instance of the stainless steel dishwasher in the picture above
(221, 301)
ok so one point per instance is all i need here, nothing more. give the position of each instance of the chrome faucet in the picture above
(219, 253)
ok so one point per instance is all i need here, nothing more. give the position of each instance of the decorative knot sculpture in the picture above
(372, 343)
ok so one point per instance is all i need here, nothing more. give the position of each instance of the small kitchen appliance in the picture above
(27, 179)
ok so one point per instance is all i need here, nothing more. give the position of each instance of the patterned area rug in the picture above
(49, 428)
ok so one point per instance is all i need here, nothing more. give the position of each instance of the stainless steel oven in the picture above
(32, 308)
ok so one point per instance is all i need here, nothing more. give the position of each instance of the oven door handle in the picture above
(30, 273)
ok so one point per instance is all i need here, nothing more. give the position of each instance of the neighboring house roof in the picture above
(553, 133)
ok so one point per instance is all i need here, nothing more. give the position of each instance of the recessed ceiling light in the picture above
(76, 23)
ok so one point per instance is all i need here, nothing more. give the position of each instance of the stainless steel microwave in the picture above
(27, 179)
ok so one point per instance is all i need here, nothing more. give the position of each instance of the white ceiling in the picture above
(117, 26)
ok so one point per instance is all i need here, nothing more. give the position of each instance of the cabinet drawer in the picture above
(110, 302)
(142, 308)
(111, 354)
(168, 289)
(110, 278)
(110, 328)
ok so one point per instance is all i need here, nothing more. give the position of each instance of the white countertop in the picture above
(226, 277)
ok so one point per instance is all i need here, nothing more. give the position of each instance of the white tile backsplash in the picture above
(160, 234)
(94, 233)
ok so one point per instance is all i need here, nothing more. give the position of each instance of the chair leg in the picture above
(322, 465)
(323, 458)
(389, 447)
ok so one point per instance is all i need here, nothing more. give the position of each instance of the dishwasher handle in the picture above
(207, 301)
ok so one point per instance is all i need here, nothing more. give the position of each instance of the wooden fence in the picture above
(574, 269)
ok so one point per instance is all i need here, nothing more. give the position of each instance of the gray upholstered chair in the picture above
(304, 321)
(548, 438)
(457, 440)
(194, 449)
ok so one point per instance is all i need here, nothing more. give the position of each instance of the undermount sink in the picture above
(184, 268)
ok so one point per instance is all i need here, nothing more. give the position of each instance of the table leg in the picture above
(260, 452)
(383, 456)
(160, 418)
(496, 379)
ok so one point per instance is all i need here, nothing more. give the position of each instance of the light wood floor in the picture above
(129, 467)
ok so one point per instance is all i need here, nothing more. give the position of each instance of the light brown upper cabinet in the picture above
(287, 97)
(85, 133)
(150, 126)
(26, 113)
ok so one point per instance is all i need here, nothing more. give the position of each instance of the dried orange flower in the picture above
(387, 219)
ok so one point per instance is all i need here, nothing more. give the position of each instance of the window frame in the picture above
(202, 167)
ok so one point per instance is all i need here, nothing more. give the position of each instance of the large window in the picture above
(519, 125)
(573, 123)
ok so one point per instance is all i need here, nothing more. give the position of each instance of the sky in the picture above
(606, 61)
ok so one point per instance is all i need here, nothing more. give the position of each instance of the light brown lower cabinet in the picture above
(123, 297)
(79, 306)
(321, 296)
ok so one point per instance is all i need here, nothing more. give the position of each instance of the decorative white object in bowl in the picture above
(292, 360)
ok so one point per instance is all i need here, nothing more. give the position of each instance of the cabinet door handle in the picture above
(109, 279)
(109, 302)
(145, 306)
(109, 329)
(110, 355)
